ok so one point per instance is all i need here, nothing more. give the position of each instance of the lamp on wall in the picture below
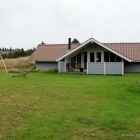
(91, 42)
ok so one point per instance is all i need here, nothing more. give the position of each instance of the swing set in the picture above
(24, 74)
(3, 62)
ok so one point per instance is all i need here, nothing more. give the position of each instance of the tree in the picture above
(75, 41)
(22, 52)
(17, 52)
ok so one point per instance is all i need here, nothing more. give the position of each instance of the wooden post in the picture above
(3, 62)
(104, 68)
(87, 67)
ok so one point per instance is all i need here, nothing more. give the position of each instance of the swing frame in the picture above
(3, 62)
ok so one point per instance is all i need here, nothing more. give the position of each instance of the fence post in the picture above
(59, 66)
(122, 68)
(104, 68)
(87, 67)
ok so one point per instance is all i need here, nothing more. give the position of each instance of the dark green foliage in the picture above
(75, 41)
(17, 52)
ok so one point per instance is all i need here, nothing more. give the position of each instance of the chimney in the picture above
(69, 44)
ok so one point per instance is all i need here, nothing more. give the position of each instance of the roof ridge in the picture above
(61, 44)
(123, 43)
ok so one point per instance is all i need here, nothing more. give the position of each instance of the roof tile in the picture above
(129, 50)
(50, 52)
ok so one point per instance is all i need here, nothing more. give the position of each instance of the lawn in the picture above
(52, 106)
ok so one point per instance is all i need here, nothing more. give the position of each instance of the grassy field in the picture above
(52, 106)
(13, 65)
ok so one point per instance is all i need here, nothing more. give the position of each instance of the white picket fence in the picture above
(116, 68)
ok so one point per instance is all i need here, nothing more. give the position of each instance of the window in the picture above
(118, 59)
(79, 61)
(92, 57)
(106, 56)
(112, 57)
(73, 62)
(85, 60)
(98, 57)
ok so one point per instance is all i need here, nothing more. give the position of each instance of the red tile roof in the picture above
(53, 51)
(129, 50)
(50, 52)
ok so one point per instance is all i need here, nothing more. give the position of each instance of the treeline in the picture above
(16, 52)
(6, 49)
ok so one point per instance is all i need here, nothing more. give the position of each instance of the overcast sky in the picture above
(26, 23)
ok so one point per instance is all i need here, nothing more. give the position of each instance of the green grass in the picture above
(52, 106)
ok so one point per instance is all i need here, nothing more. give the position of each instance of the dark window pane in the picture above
(73, 62)
(92, 57)
(85, 60)
(106, 56)
(98, 57)
(112, 57)
(79, 61)
(118, 59)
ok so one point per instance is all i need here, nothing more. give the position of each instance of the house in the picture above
(91, 56)
(7, 52)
